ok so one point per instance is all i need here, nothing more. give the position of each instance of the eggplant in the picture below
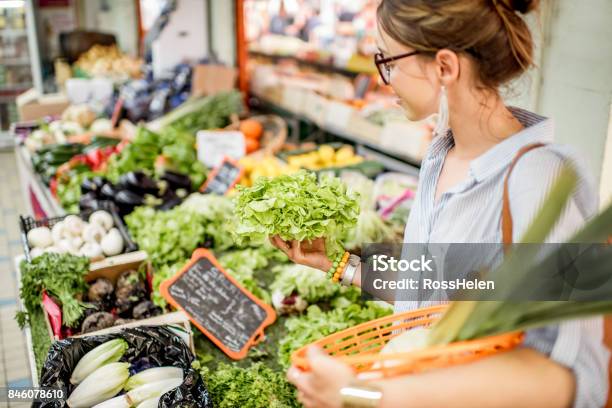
(89, 201)
(169, 204)
(108, 191)
(169, 201)
(177, 180)
(138, 182)
(88, 186)
(100, 181)
(127, 200)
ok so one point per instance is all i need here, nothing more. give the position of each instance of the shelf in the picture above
(13, 32)
(320, 66)
(397, 162)
(24, 86)
(15, 61)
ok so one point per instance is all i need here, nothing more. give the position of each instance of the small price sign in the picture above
(223, 177)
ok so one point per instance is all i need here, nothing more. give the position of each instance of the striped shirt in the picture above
(470, 212)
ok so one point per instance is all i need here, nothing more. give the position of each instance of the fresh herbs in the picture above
(62, 277)
(296, 207)
(257, 386)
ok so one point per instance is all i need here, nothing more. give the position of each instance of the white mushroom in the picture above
(59, 232)
(102, 218)
(65, 246)
(77, 242)
(54, 250)
(40, 237)
(34, 252)
(112, 243)
(74, 225)
(92, 250)
(93, 233)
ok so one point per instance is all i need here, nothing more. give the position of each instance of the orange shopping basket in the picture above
(359, 346)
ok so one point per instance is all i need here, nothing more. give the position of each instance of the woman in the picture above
(451, 57)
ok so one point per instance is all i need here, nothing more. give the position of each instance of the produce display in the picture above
(60, 276)
(257, 386)
(135, 367)
(85, 306)
(296, 207)
(152, 179)
(94, 239)
(107, 61)
(325, 156)
(171, 236)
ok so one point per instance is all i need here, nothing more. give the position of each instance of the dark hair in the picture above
(492, 32)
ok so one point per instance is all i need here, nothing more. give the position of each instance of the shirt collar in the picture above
(536, 129)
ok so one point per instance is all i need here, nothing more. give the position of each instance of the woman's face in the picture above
(413, 79)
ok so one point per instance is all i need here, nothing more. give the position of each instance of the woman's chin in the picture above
(410, 113)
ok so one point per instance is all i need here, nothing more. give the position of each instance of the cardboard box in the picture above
(111, 269)
(212, 79)
(33, 106)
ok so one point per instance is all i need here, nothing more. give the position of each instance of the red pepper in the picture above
(53, 186)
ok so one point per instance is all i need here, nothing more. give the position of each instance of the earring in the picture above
(442, 122)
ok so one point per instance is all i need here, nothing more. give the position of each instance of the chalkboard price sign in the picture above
(223, 177)
(229, 315)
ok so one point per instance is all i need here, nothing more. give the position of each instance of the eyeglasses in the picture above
(382, 64)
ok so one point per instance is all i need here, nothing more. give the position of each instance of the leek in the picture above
(473, 319)
(102, 384)
(105, 353)
(153, 375)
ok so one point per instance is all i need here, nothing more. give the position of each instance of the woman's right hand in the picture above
(309, 253)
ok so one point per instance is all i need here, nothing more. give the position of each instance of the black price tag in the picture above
(229, 315)
(223, 177)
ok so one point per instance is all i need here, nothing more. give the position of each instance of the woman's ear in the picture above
(447, 67)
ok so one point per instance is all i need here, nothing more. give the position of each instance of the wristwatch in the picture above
(359, 394)
(351, 268)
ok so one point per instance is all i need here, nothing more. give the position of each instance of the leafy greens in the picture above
(296, 207)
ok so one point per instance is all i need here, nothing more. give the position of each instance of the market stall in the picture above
(153, 270)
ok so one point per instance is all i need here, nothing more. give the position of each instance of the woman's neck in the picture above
(478, 127)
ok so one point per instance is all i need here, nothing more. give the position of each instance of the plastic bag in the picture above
(149, 346)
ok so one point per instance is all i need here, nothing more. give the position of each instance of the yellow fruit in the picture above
(344, 153)
(327, 153)
(247, 163)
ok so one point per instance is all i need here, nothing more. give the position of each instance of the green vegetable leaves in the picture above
(303, 330)
(171, 236)
(62, 276)
(296, 207)
(257, 386)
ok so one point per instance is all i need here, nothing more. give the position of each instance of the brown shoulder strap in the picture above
(506, 215)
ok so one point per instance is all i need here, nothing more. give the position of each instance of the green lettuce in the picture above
(316, 324)
(296, 207)
(171, 236)
(257, 386)
(309, 283)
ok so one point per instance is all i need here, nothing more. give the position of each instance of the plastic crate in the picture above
(28, 223)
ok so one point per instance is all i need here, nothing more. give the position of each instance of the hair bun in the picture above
(522, 6)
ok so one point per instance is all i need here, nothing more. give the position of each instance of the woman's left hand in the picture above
(320, 387)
